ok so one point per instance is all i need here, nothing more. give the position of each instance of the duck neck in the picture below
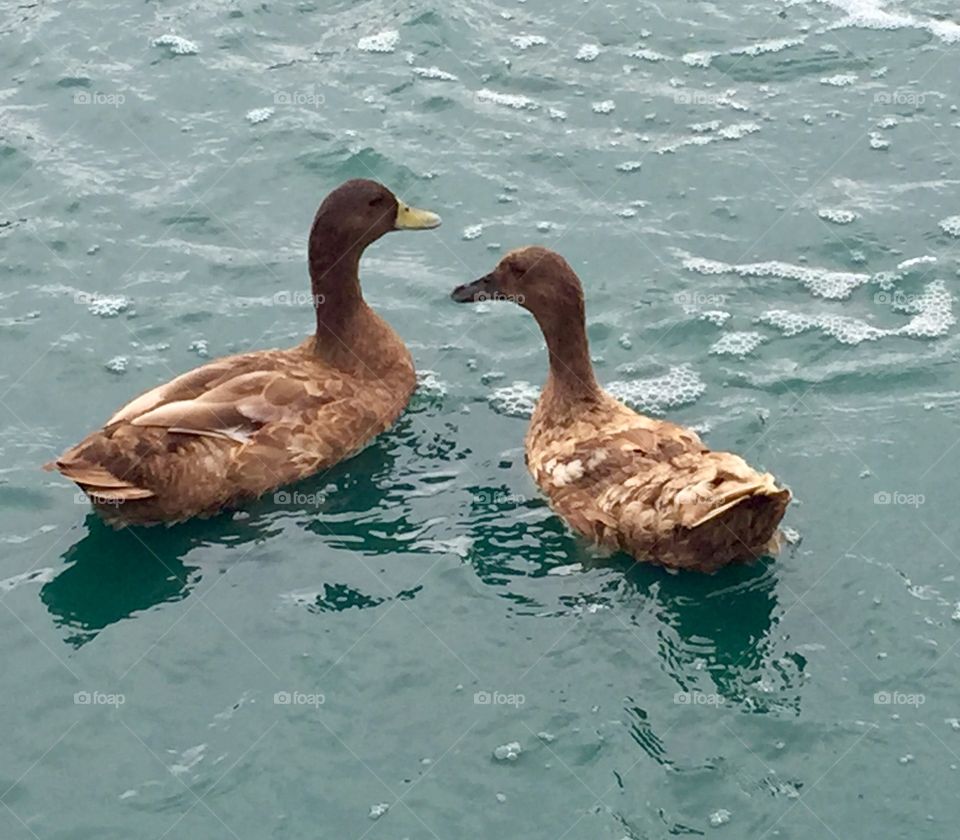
(342, 313)
(571, 382)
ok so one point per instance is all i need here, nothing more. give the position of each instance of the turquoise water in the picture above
(761, 202)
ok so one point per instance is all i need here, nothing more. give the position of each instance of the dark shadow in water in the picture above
(115, 574)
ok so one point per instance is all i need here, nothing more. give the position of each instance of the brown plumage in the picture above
(626, 481)
(244, 425)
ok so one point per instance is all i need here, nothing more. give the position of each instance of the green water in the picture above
(744, 222)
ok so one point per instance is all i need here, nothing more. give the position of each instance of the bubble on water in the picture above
(698, 59)
(511, 100)
(681, 385)
(429, 382)
(629, 166)
(791, 535)
(906, 759)
(472, 232)
(515, 400)
(588, 52)
(625, 342)
(199, 346)
(906, 265)
(259, 115)
(738, 130)
(870, 14)
(436, 73)
(607, 106)
(840, 80)
(545, 227)
(627, 213)
(838, 217)
(833, 285)
(546, 737)
(118, 364)
(557, 114)
(649, 55)
(716, 317)
(951, 225)
(932, 312)
(501, 797)
(508, 752)
(878, 142)
(705, 127)
(377, 811)
(769, 46)
(843, 328)
(888, 123)
(953, 723)
(737, 344)
(524, 42)
(177, 45)
(719, 817)
(108, 306)
(381, 42)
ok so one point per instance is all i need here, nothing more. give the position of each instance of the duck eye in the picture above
(375, 201)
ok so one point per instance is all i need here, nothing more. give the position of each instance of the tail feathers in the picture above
(748, 522)
(98, 482)
(763, 487)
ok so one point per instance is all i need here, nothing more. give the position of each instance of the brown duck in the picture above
(243, 425)
(626, 481)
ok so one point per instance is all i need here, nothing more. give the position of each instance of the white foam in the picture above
(649, 55)
(833, 285)
(838, 217)
(472, 232)
(381, 42)
(951, 225)
(259, 115)
(717, 317)
(871, 14)
(629, 166)
(511, 100)
(771, 45)
(524, 42)
(878, 142)
(177, 45)
(107, 306)
(435, 73)
(737, 343)
(508, 752)
(588, 52)
(607, 106)
(840, 80)
(698, 59)
(906, 265)
(118, 364)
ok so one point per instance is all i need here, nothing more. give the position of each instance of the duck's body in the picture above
(244, 425)
(626, 481)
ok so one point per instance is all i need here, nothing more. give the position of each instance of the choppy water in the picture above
(762, 202)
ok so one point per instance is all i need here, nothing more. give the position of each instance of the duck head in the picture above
(536, 278)
(359, 212)
(542, 282)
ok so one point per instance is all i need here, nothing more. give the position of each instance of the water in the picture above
(762, 202)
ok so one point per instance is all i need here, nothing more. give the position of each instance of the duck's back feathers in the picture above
(652, 488)
(232, 430)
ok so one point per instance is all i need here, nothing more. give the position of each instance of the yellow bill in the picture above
(412, 218)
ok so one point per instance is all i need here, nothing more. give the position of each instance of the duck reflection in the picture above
(114, 575)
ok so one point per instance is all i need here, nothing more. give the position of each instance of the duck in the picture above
(241, 426)
(628, 482)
